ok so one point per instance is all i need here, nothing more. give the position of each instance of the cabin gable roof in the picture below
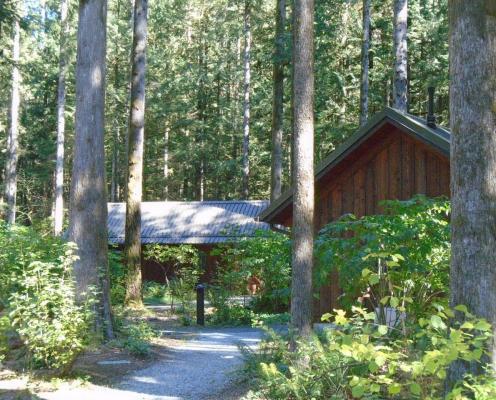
(437, 138)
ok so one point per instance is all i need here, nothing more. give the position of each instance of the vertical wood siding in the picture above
(394, 166)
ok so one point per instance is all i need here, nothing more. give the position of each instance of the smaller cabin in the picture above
(393, 156)
(203, 225)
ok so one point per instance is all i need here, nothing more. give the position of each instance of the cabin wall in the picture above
(391, 166)
(159, 272)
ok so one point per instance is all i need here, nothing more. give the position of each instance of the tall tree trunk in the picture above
(400, 87)
(135, 157)
(114, 173)
(61, 93)
(473, 164)
(278, 102)
(166, 164)
(246, 101)
(303, 178)
(88, 202)
(13, 138)
(114, 183)
(364, 84)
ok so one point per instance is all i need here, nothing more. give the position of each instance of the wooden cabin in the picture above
(203, 225)
(394, 156)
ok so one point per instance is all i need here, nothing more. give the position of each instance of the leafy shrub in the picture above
(177, 258)
(389, 260)
(185, 261)
(20, 246)
(154, 291)
(45, 314)
(267, 256)
(264, 320)
(117, 274)
(230, 314)
(360, 359)
(138, 337)
(4, 331)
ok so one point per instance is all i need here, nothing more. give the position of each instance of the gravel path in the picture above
(199, 369)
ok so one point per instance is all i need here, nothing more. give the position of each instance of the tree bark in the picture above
(135, 156)
(61, 94)
(13, 137)
(246, 101)
(473, 164)
(364, 83)
(114, 183)
(303, 179)
(88, 202)
(400, 88)
(278, 102)
(166, 164)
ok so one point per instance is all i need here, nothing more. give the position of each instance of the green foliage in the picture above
(44, 312)
(155, 292)
(266, 256)
(22, 246)
(184, 261)
(226, 311)
(137, 338)
(5, 327)
(117, 273)
(388, 260)
(38, 294)
(360, 359)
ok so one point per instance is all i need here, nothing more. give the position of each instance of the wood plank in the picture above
(348, 195)
(381, 178)
(407, 168)
(444, 178)
(420, 171)
(394, 155)
(337, 209)
(359, 195)
(432, 175)
(370, 205)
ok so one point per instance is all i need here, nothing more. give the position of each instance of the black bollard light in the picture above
(200, 304)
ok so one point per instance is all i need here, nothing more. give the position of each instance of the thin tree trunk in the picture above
(88, 203)
(303, 180)
(400, 87)
(114, 183)
(13, 138)
(278, 102)
(166, 164)
(473, 165)
(61, 94)
(364, 84)
(135, 156)
(246, 101)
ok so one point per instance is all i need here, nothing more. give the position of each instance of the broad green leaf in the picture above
(415, 389)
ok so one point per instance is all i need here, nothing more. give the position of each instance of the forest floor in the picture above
(187, 363)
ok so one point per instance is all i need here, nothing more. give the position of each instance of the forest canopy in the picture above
(194, 111)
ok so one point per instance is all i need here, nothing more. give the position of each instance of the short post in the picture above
(200, 304)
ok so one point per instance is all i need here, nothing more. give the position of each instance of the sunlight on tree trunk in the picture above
(246, 102)
(400, 88)
(278, 101)
(364, 83)
(303, 179)
(135, 157)
(88, 203)
(473, 164)
(13, 137)
(61, 95)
